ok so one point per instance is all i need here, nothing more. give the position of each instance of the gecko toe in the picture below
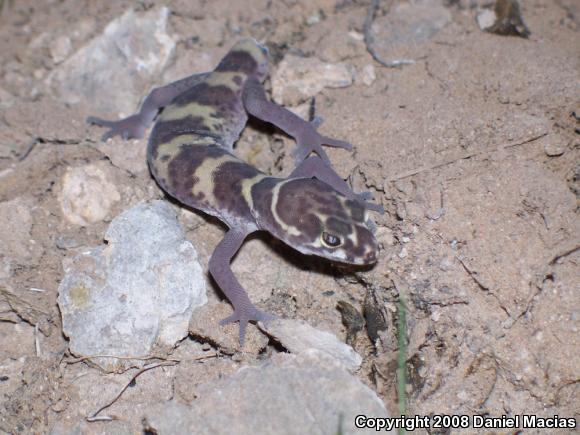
(365, 196)
(246, 316)
(335, 143)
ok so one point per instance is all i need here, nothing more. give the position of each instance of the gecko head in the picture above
(314, 219)
(247, 56)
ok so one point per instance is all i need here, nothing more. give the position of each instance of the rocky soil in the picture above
(469, 139)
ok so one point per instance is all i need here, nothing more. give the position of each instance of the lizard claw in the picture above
(244, 316)
(127, 128)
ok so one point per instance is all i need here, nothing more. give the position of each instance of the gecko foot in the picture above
(244, 316)
(312, 142)
(127, 128)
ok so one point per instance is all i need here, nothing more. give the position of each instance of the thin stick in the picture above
(147, 358)
(84, 358)
(94, 417)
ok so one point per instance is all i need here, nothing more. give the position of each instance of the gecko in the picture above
(190, 154)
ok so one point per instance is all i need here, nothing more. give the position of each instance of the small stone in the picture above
(401, 210)
(297, 336)
(65, 243)
(88, 194)
(313, 19)
(555, 146)
(367, 75)
(299, 78)
(60, 48)
(486, 18)
(405, 32)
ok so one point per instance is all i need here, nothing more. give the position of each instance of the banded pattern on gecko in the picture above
(190, 154)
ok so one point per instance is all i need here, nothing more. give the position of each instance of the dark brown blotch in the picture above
(166, 131)
(221, 97)
(337, 227)
(357, 210)
(182, 168)
(238, 61)
(262, 198)
(227, 190)
(365, 240)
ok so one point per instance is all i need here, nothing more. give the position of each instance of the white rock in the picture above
(114, 70)
(299, 78)
(87, 194)
(289, 394)
(135, 293)
(486, 18)
(297, 336)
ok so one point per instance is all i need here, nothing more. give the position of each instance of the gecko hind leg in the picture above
(136, 125)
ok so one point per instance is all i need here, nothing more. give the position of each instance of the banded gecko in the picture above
(190, 154)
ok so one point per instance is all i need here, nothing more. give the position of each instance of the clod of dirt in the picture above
(114, 69)
(351, 319)
(299, 78)
(375, 321)
(295, 394)
(505, 19)
(88, 194)
(136, 292)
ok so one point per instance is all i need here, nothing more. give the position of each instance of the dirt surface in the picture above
(473, 150)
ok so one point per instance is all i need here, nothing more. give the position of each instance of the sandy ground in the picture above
(473, 150)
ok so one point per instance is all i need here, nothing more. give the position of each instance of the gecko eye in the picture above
(331, 240)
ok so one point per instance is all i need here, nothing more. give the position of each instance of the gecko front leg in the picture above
(304, 132)
(219, 267)
(134, 126)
